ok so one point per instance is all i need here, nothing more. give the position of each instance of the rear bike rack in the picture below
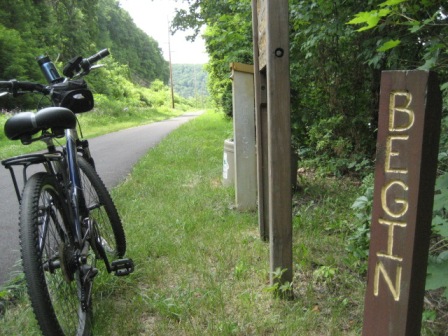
(28, 160)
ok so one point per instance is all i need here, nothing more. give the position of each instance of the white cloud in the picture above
(152, 16)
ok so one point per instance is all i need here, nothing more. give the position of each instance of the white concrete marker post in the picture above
(244, 136)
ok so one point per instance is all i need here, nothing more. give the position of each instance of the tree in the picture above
(67, 28)
(335, 71)
(130, 45)
(334, 92)
(404, 24)
(228, 38)
(74, 26)
(190, 80)
(63, 29)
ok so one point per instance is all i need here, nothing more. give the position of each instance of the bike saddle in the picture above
(25, 124)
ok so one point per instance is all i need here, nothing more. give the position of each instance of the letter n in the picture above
(395, 290)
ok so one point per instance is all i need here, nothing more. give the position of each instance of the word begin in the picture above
(394, 192)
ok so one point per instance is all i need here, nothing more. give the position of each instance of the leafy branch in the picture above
(395, 13)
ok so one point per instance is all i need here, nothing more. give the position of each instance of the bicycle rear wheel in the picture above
(102, 211)
(53, 279)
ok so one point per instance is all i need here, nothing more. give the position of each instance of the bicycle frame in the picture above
(75, 182)
(63, 165)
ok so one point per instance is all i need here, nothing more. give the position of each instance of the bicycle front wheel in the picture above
(53, 279)
(102, 212)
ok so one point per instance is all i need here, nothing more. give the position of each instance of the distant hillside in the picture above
(190, 80)
(65, 29)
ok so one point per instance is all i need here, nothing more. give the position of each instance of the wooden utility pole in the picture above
(171, 67)
(273, 119)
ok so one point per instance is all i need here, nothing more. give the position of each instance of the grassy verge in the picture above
(93, 124)
(201, 268)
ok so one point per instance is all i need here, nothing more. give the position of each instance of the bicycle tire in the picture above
(102, 211)
(52, 277)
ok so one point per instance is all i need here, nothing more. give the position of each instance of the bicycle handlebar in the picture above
(87, 62)
(13, 86)
(82, 66)
(75, 65)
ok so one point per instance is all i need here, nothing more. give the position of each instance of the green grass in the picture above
(201, 268)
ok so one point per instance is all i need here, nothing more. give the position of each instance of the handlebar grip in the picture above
(5, 85)
(95, 58)
(28, 86)
(14, 86)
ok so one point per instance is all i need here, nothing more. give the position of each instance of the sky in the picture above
(152, 16)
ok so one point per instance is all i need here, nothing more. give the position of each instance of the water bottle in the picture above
(49, 70)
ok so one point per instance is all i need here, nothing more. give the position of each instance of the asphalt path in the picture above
(115, 154)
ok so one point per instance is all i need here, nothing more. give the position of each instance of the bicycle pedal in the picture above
(122, 267)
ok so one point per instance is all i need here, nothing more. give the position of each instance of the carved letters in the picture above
(394, 194)
(405, 172)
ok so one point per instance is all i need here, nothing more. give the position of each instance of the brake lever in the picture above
(85, 73)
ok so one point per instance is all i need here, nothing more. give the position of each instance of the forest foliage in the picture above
(63, 29)
(338, 50)
(190, 80)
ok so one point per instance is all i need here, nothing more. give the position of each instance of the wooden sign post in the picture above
(261, 117)
(273, 121)
(407, 148)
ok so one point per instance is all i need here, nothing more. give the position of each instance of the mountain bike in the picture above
(68, 220)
